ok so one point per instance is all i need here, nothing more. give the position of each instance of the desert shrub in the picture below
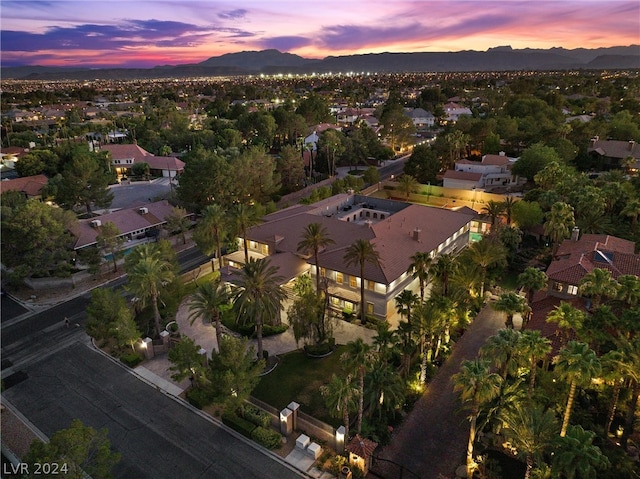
(267, 437)
(198, 398)
(131, 359)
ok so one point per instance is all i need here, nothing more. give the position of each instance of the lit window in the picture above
(323, 272)
(339, 277)
(571, 289)
(370, 308)
(353, 281)
(371, 285)
(557, 286)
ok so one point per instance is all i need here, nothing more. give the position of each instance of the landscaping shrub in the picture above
(198, 398)
(238, 424)
(320, 349)
(131, 359)
(267, 437)
(256, 416)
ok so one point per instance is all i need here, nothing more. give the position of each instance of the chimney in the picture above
(416, 234)
(631, 145)
(575, 234)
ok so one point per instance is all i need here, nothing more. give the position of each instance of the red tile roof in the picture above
(29, 185)
(542, 306)
(361, 446)
(139, 154)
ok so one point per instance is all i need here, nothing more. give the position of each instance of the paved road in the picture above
(157, 436)
(432, 439)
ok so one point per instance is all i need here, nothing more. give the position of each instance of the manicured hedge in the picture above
(256, 416)
(131, 359)
(239, 424)
(267, 437)
(198, 398)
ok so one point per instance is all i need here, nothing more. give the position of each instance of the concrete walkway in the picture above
(432, 439)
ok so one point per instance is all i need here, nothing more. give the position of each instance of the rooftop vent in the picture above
(143, 210)
(96, 223)
(416, 234)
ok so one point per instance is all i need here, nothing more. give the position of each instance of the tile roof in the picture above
(29, 185)
(126, 220)
(495, 160)
(361, 446)
(615, 148)
(392, 237)
(125, 151)
(542, 306)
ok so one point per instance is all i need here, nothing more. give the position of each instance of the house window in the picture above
(371, 285)
(557, 286)
(571, 289)
(375, 216)
(335, 301)
(323, 272)
(369, 308)
(348, 305)
(252, 244)
(265, 249)
(339, 277)
(353, 281)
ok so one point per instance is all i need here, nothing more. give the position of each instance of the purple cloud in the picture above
(285, 44)
(233, 14)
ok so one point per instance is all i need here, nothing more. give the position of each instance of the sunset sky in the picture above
(144, 34)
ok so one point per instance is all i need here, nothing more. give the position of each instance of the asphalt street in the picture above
(158, 436)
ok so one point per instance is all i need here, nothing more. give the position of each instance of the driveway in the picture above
(432, 439)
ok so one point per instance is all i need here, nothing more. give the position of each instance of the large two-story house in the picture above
(396, 229)
(493, 171)
(613, 153)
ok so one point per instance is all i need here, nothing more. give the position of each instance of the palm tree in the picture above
(510, 303)
(629, 289)
(384, 339)
(206, 303)
(404, 302)
(598, 283)
(148, 274)
(493, 209)
(532, 279)
(245, 217)
(358, 357)
(314, 238)
(535, 347)
(340, 396)
(632, 210)
(559, 224)
(486, 253)
(443, 269)
(212, 231)
(577, 364)
(531, 431)
(627, 359)
(477, 385)
(432, 325)
(420, 268)
(567, 317)
(360, 253)
(407, 184)
(501, 350)
(575, 456)
(258, 297)
(384, 389)
(507, 209)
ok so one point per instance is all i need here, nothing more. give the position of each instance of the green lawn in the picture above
(298, 378)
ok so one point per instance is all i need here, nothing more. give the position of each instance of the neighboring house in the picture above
(313, 138)
(30, 186)
(123, 157)
(577, 257)
(348, 116)
(612, 152)
(454, 111)
(396, 229)
(495, 171)
(133, 223)
(462, 180)
(420, 117)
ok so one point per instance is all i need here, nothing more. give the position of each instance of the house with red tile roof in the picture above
(124, 156)
(30, 186)
(577, 257)
(396, 229)
(133, 223)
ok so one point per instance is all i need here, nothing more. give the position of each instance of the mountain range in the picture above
(502, 58)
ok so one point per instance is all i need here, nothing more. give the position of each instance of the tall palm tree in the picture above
(559, 224)
(535, 347)
(404, 302)
(477, 385)
(383, 340)
(245, 217)
(360, 253)
(577, 364)
(420, 268)
(632, 210)
(532, 279)
(443, 269)
(627, 358)
(568, 318)
(510, 303)
(407, 184)
(575, 455)
(358, 358)
(531, 431)
(148, 272)
(598, 283)
(340, 396)
(493, 210)
(629, 289)
(212, 231)
(384, 389)
(486, 253)
(501, 350)
(432, 324)
(507, 209)
(206, 303)
(258, 297)
(314, 238)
